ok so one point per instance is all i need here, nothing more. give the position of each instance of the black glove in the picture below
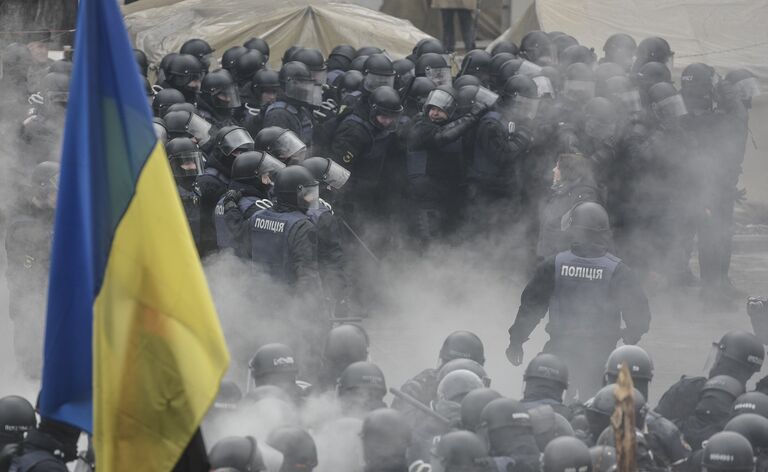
(327, 110)
(515, 352)
(231, 197)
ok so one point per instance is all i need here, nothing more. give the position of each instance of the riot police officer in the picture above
(728, 451)
(472, 407)
(361, 389)
(281, 143)
(186, 161)
(588, 292)
(546, 379)
(200, 49)
(620, 49)
(265, 88)
(47, 448)
(297, 447)
(537, 47)
(653, 49)
(564, 454)
(339, 61)
(292, 109)
(218, 99)
(459, 451)
(184, 73)
(258, 44)
(28, 248)
(508, 426)
(17, 418)
(712, 409)
(276, 365)
(236, 453)
(344, 345)
(386, 438)
(164, 99)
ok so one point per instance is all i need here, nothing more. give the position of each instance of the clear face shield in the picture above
(320, 76)
(631, 101)
(385, 120)
(227, 99)
(599, 130)
(579, 90)
(486, 97)
(439, 75)
(199, 129)
(191, 81)
(335, 176)
(748, 89)
(671, 107)
(544, 86)
(373, 81)
(529, 69)
(187, 164)
(288, 147)
(442, 100)
(268, 167)
(236, 139)
(305, 91)
(524, 107)
(309, 197)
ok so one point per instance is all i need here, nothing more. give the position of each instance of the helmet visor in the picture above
(269, 165)
(336, 176)
(529, 68)
(747, 88)
(160, 132)
(524, 107)
(486, 97)
(309, 196)
(631, 100)
(442, 100)
(288, 147)
(236, 139)
(227, 99)
(439, 75)
(544, 86)
(320, 76)
(303, 91)
(373, 81)
(187, 164)
(199, 129)
(579, 90)
(672, 107)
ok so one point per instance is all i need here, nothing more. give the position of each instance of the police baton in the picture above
(359, 240)
(420, 406)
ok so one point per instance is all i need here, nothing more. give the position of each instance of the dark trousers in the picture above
(466, 23)
(715, 240)
(585, 358)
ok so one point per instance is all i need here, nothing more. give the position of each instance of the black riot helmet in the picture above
(404, 72)
(281, 143)
(17, 416)
(246, 65)
(164, 99)
(296, 188)
(579, 84)
(368, 51)
(185, 73)
(600, 118)
(428, 45)
(265, 81)
(288, 54)
(653, 49)
(218, 90)
(351, 81)
(723, 383)
(743, 348)
(164, 67)
(327, 172)
(442, 97)
(624, 94)
(746, 85)
(751, 426)
(505, 413)
(478, 63)
(697, 86)
(496, 62)
(576, 53)
(464, 81)
(298, 83)
(186, 124)
(385, 107)
(358, 63)
(363, 375)
(236, 453)
(314, 61)
(458, 451)
(271, 359)
(638, 362)
(566, 454)
(504, 46)
(520, 96)
(728, 451)
(666, 103)
(230, 56)
(258, 44)
(200, 49)
(605, 71)
(141, 61)
(588, 225)
(417, 94)
(55, 91)
(464, 364)
(620, 48)
(230, 141)
(378, 71)
(297, 447)
(650, 74)
(255, 168)
(751, 402)
(386, 438)
(600, 408)
(462, 345)
(341, 57)
(472, 407)
(347, 343)
(562, 42)
(549, 367)
(603, 458)
(185, 158)
(537, 47)
(435, 67)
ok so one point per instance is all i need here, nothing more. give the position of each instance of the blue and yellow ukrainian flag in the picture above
(134, 352)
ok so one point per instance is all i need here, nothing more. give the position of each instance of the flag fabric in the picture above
(134, 352)
(623, 421)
